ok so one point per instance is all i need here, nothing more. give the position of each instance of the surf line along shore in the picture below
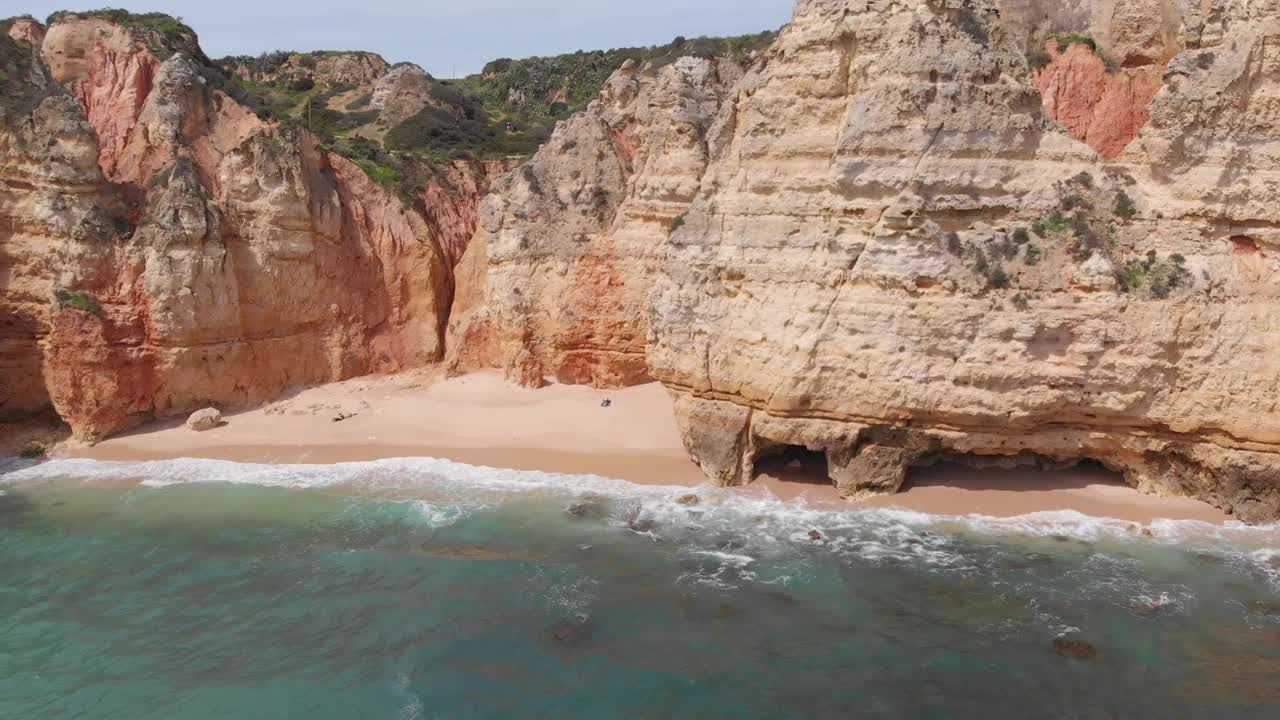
(480, 419)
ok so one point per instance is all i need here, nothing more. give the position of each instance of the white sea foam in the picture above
(731, 539)
(439, 515)
(1267, 560)
(734, 559)
(902, 534)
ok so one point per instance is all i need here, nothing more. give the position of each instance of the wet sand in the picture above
(480, 419)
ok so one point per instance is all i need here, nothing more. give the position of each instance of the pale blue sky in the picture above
(446, 35)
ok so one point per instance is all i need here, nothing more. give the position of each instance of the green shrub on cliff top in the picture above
(539, 89)
(169, 26)
(266, 63)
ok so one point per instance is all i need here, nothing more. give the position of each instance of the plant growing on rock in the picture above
(1124, 208)
(1132, 277)
(1088, 238)
(980, 264)
(1066, 40)
(1055, 224)
(79, 300)
(385, 175)
(1160, 277)
(1032, 254)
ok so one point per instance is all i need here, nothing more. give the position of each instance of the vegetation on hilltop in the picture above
(269, 62)
(170, 27)
(541, 90)
(508, 110)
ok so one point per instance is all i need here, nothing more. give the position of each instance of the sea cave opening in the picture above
(794, 464)
(1022, 472)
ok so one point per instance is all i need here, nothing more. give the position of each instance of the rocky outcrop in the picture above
(205, 420)
(401, 93)
(346, 68)
(202, 255)
(557, 281)
(26, 30)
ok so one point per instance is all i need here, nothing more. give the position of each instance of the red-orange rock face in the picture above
(202, 256)
(569, 248)
(451, 199)
(96, 370)
(1106, 110)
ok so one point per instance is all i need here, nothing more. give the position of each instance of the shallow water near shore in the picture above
(428, 589)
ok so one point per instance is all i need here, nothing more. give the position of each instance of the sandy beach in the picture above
(480, 419)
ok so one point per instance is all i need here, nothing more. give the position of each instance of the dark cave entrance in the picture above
(793, 464)
(1023, 472)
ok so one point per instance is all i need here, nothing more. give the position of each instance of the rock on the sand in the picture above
(206, 419)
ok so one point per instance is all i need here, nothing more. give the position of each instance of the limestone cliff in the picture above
(903, 257)
(1003, 232)
(55, 212)
(165, 248)
(557, 281)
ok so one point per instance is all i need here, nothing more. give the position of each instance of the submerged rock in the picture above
(1076, 649)
(641, 525)
(587, 509)
(1263, 607)
(571, 632)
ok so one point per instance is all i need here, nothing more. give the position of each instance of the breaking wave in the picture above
(725, 533)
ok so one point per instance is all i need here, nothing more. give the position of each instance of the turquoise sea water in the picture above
(423, 589)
